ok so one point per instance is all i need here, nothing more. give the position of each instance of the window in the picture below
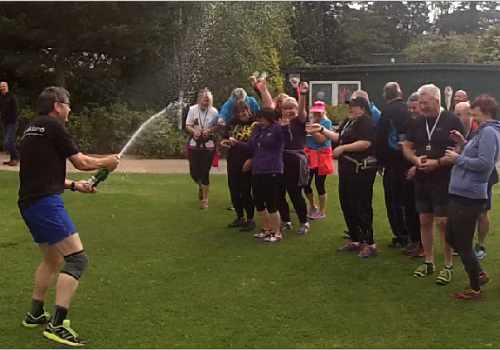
(332, 92)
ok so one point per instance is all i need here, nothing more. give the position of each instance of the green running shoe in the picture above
(444, 276)
(424, 270)
(63, 334)
(31, 321)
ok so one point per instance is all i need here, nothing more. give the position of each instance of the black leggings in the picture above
(200, 162)
(290, 184)
(319, 181)
(266, 191)
(240, 187)
(356, 194)
(463, 214)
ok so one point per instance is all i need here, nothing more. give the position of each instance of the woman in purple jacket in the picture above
(266, 145)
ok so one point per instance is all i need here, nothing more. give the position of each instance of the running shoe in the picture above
(312, 212)
(367, 251)
(239, 222)
(317, 216)
(480, 252)
(63, 334)
(248, 226)
(483, 278)
(31, 321)
(304, 229)
(444, 276)
(468, 294)
(273, 238)
(262, 234)
(286, 226)
(426, 269)
(350, 246)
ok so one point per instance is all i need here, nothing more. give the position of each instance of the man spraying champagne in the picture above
(45, 146)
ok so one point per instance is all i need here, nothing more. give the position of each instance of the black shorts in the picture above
(431, 198)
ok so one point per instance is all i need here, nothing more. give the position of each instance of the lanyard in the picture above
(429, 133)
(202, 121)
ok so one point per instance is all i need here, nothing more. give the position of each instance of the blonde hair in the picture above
(289, 101)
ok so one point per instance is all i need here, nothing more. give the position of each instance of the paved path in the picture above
(129, 164)
(132, 165)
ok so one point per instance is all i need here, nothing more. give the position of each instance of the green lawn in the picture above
(164, 274)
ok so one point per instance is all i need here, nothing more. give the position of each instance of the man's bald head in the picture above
(462, 110)
(460, 96)
(392, 90)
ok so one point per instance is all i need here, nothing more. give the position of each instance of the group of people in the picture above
(438, 167)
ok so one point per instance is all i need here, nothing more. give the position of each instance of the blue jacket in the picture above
(473, 168)
(375, 113)
(226, 111)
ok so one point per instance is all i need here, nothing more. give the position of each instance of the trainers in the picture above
(480, 252)
(31, 321)
(417, 253)
(303, 229)
(368, 251)
(426, 269)
(483, 278)
(444, 276)
(262, 234)
(468, 294)
(312, 212)
(396, 244)
(286, 226)
(239, 222)
(63, 334)
(317, 216)
(248, 226)
(350, 246)
(273, 238)
(454, 253)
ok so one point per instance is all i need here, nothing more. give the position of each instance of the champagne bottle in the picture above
(99, 177)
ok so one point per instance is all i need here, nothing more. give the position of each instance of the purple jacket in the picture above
(267, 145)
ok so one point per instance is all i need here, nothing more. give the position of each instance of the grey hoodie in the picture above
(473, 168)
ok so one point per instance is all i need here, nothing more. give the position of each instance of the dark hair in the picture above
(486, 104)
(268, 114)
(240, 106)
(361, 102)
(50, 95)
(392, 91)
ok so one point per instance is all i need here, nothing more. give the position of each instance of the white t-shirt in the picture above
(201, 120)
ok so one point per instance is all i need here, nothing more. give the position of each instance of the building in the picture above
(334, 84)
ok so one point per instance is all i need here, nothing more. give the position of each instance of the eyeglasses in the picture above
(64, 103)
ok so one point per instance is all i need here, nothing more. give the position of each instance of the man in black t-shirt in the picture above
(426, 143)
(45, 146)
(391, 130)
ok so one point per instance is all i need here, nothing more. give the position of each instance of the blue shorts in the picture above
(48, 221)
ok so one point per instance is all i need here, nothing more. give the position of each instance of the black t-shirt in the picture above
(298, 139)
(361, 129)
(439, 142)
(45, 145)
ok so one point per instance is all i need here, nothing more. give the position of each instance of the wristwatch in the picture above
(72, 187)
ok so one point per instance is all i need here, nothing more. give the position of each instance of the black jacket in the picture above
(8, 108)
(391, 129)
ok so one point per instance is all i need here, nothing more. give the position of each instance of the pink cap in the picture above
(318, 106)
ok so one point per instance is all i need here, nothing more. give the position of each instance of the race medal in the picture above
(428, 148)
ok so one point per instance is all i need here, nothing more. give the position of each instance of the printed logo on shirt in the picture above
(34, 131)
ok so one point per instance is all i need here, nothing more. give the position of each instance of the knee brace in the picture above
(75, 264)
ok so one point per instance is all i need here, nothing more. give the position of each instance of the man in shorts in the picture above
(45, 146)
(425, 146)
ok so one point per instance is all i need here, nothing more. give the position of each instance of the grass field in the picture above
(164, 274)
